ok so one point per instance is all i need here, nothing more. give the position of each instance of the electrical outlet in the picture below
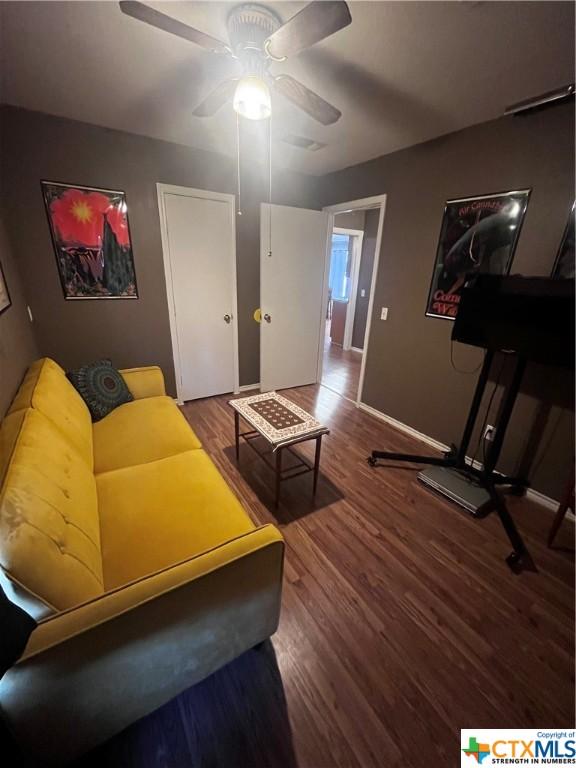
(489, 433)
(384, 313)
(362, 293)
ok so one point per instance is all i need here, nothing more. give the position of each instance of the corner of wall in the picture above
(18, 346)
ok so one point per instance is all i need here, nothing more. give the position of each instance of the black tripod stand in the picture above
(486, 476)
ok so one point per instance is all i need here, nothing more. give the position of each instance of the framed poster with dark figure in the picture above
(5, 300)
(564, 264)
(478, 234)
(91, 238)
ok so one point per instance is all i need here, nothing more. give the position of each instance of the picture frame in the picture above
(564, 267)
(5, 300)
(478, 234)
(91, 238)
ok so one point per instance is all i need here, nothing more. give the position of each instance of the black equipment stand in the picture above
(486, 477)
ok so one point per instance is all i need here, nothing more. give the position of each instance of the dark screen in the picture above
(532, 316)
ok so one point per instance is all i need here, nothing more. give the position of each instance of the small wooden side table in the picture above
(283, 425)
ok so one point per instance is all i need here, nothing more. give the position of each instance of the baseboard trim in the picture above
(536, 496)
(357, 349)
(248, 387)
(403, 427)
(545, 501)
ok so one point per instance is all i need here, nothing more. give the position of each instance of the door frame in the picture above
(170, 189)
(358, 234)
(376, 201)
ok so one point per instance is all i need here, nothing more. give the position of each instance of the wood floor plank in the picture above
(341, 369)
(401, 622)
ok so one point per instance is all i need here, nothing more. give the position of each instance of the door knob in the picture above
(267, 318)
(227, 318)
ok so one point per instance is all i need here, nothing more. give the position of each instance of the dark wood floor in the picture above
(341, 369)
(400, 624)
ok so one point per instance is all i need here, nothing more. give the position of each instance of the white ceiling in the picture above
(401, 73)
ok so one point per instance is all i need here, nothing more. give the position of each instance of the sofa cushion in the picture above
(101, 387)
(144, 382)
(139, 432)
(46, 389)
(155, 515)
(9, 430)
(20, 595)
(49, 526)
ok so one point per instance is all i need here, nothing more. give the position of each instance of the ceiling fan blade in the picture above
(307, 100)
(160, 20)
(216, 99)
(312, 24)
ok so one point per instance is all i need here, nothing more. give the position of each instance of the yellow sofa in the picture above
(125, 543)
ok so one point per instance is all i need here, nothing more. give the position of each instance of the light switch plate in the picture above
(384, 313)
(363, 293)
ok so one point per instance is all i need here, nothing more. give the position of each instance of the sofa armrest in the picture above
(67, 624)
(144, 382)
(90, 671)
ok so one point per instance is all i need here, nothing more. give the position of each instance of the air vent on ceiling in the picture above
(303, 143)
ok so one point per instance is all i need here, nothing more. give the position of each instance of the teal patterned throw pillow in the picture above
(101, 386)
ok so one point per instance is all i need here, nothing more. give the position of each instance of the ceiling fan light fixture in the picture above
(257, 37)
(252, 98)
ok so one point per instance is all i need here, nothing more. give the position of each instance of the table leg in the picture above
(237, 434)
(278, 475)
(317, 463)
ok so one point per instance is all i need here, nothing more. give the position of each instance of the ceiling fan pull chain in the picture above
(239, 189)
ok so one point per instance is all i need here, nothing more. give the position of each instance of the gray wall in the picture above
(17, 343)
(36, 146)
(365, 277)
(409, 375)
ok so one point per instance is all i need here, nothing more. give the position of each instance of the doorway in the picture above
(341, 364)
(353, 264)
(345, 258)
(199, 250)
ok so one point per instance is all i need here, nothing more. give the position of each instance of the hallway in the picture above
(341, 369)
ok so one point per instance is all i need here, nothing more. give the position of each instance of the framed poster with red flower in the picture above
(91, 238)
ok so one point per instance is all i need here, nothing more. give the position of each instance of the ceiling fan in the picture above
(257, 38)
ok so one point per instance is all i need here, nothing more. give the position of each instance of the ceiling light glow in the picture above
(252, 98)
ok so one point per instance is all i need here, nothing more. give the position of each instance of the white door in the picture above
(291, 295)
(200, 262)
